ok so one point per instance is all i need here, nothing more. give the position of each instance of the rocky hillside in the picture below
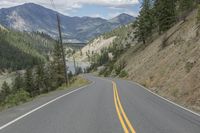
(32, 17)
(170, 64)
(93, 47)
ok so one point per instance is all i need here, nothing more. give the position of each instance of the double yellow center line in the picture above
(126, 124)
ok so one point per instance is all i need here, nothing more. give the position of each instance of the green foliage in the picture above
(198, 14)
(13, 58)
(123, 74)
(40, 79)
(57, 66)
(119, 67)
(18, 83)
(29, 85)
(4, 92)
(185, 6)
(145, 22)
(165, 14)
(23, 50)
(79, 70)
(116, 32)
(35, 81)
(189, 66)
(13, 99)
(156, 16)
(99, 59)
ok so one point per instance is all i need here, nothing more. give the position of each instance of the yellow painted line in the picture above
(118, 113)
(116, 95)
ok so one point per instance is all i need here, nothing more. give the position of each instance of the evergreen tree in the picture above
(47, 79)
(184, 7)
(57, 66)
(29, 83)
(144, 23)
(40, 79)
(18, 83)
(198, 15)
(165, 14)
(5, 91)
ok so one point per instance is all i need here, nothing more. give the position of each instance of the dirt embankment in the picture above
(94, 47)
(172, 71)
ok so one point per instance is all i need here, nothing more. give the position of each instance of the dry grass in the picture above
(174, 71)
(77, 82)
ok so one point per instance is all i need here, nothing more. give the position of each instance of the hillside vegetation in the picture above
(22, 50)
(75, 29)
(161, 51)
(173, 71)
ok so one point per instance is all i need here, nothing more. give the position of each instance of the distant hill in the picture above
(20, 50)
(169, 64)
(33, 17)
(2, 28)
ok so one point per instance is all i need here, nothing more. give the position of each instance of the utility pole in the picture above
(63, 53)
(74, 64)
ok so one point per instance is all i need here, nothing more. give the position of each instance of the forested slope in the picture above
(22, 50)
(163, 51)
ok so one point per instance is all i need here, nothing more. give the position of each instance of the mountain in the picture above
(122, 19)
(2, 28)
(168, 64)
(33, 17)
(20, 50)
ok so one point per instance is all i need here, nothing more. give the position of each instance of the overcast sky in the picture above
(94, 8)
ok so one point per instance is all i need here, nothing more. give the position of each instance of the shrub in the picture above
(20, 96)
(198, 14)
(189, 66)
(123, 74)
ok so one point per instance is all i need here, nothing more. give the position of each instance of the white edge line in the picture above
(166, 99)
(135, 83)
(32, 111)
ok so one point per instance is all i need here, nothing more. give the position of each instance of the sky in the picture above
(94, 8)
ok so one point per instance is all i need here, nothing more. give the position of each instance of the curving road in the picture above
(105, 106)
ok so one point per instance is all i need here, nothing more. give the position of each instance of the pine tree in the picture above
(40, 79)
(185, 6)
(165, 14)
(29, 83)
(144, 23)
(198, 15)
(5, 91)
(48, 78)
(57, 66)
(18, 83)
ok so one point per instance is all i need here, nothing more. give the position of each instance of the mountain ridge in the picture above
(42, 19)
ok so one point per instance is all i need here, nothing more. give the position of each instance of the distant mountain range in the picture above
(32, 17)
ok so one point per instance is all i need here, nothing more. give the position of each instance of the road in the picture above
(105, 106)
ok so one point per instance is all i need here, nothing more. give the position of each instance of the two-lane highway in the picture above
(106, 106)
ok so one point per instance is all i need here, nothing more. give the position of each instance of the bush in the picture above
(20, 96)
(120, 66)
(198, 14)
(123, 74)
(189, 66)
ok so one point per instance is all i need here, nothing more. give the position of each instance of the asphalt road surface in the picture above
(105, 106)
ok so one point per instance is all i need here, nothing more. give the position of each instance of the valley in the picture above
(75, 29)
(89, 66)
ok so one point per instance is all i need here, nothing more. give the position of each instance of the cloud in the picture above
(67, 6)
(97, 16)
